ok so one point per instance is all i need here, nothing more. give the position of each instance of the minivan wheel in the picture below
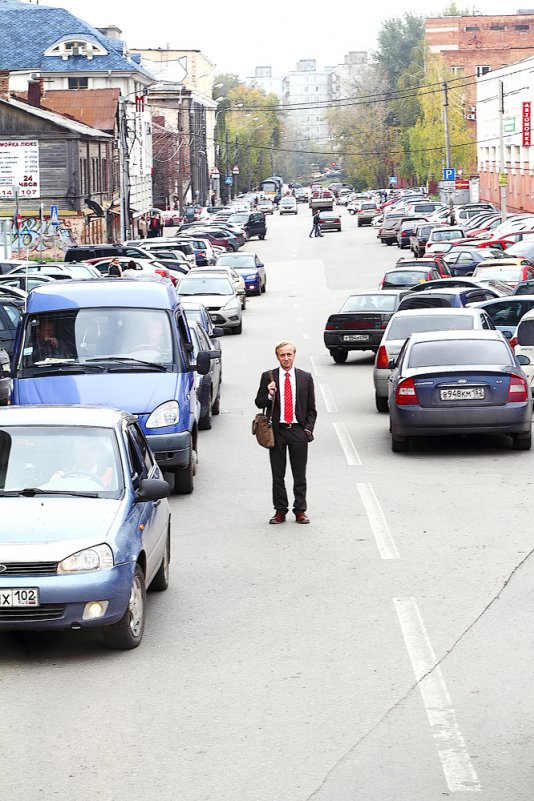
(381, 403)
(160, 582)
(204, 422)
(261, 236)
(183, 476)
(127, 632)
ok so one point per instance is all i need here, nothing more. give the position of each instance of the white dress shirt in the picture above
(281, 387)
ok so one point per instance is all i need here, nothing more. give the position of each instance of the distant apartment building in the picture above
(476, 45)
(518, 86)
(344, 76)
(264, 79)
(306, 94)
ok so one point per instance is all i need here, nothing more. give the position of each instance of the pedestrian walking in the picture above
(451, 216)
(316, 228)
(290, 396)
(155, 226)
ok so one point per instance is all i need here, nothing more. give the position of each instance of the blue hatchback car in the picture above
(86, 527)
(118, 343)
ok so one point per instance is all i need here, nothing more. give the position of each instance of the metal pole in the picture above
(446, 130)
(124, 172)
(17, 220)
(502, 160)
(227, 166)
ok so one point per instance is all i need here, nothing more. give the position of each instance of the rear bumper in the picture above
(334, 340)
(514, 418)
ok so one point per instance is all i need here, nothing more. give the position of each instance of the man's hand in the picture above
(271, 388)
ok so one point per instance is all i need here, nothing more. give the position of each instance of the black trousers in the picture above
(295, 442)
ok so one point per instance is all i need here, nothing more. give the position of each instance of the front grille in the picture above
(28, 568)
(28, 614)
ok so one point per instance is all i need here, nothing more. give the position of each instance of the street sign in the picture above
(228, 180)
(502, 179)
(449, 173)
(393, 180)
(508, 125)
(215, 172)
(449, 185)
(236, 170)
(54, 215)
(462, 184)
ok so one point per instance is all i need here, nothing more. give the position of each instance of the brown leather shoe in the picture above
(278, 517)
(301, 517)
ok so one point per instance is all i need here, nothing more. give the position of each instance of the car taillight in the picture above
(382, 358)
(329, 327)
(201, 254)
(406, 393)
(517, 391)
(512, 342)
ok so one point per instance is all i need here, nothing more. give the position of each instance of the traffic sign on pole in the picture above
(215, 172)
(228, 180)
(54, 215)
(236, 170)
(449, 173)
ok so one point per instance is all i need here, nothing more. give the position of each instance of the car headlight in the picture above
(231, 304)
(165, 415)
(251, 277)
(98, 558)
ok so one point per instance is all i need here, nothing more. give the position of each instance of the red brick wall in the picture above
(519, 190)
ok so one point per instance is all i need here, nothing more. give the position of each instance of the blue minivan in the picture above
(120, 343)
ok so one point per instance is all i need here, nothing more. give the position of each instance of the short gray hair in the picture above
(284, 343)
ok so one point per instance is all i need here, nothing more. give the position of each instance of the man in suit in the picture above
(290, 396)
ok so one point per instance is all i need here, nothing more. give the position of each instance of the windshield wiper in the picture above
(30, 492)
(130, 361)
(59, 368)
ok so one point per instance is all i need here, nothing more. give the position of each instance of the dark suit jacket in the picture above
(305, 410)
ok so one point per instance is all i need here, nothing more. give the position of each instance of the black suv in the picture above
(253, 222)
(86, 252)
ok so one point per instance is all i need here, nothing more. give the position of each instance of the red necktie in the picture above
(288, 401)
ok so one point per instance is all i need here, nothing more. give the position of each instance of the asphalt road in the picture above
(382, 653)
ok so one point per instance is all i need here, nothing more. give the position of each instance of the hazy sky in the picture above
(240, 34)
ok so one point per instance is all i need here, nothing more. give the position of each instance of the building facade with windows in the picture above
(306, 94)
(474, 45)
(518, 86)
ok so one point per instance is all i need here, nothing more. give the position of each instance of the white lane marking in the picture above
(455, 760)
(351, 454)
(328, 398)
(317, 369)
(385, 543)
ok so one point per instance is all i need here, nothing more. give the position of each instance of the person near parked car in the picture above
(47, 343)
(115, 269)
(451, 217)
(289, 394)
(155, 226)
(316, 228)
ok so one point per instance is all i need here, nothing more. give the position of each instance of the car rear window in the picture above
(499, 273)
(525, 332)
(375, 302)
(446, 235)
(402, 327)
(404, 278)
(459, 352)
(525, 289)
(368, 206)
(419, 301)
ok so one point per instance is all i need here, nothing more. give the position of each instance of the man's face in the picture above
(286, 356)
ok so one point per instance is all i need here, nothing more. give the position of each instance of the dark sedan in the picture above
(458, 382)
(446, 297)
(329, 221)
(360, 323)
(464, 260)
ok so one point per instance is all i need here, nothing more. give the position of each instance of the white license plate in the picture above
(19, 596)
(473, 393)
(355, 337)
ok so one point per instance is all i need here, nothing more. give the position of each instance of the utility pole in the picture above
(124, 172)
(227, 170)
(446, 130)
(502, 160)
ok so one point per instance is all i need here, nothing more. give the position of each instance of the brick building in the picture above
(475, 45)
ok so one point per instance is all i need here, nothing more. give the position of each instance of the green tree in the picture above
(397, 39)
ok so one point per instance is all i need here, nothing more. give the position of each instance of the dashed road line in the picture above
(317, 369)
(450, 744)
(351, 454)
(328, 398)
(385, 543)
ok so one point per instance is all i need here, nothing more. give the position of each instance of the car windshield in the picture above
(459, 352)
(526, 288)
(206, 286)
(62, 459)
(80, 337)
(405, 278)
(402, 327)
(238, 218)
(236, 261)
(375, 302)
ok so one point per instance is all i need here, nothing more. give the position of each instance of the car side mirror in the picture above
(152, 489)
(217, 332)
(392, 363)
(522, 359)
(507, 334)
(202, 367)
(214, 354)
